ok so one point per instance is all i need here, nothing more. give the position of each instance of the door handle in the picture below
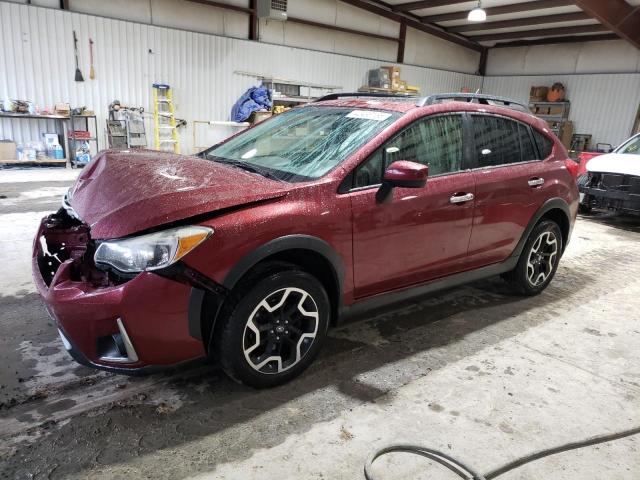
(461, 198)
(536, 182)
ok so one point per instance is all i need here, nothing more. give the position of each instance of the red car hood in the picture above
(120, 193)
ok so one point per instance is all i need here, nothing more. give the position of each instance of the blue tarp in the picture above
(256, 98)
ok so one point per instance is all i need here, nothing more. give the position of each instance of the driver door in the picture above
(420, 233)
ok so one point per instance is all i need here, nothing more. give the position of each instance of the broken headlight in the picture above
(151, 251)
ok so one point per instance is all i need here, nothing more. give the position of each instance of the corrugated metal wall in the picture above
(604, 105)
(37, 46)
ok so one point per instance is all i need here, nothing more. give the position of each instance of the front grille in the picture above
(613, 182)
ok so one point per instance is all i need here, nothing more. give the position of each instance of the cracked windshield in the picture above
(302, 144)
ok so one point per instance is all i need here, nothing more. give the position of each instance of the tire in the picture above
(584, 209)
(250, 337)
(539, 259)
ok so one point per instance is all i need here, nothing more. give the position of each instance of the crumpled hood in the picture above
(622, 163)
(124, 192)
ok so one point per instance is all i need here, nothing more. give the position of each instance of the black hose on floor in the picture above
(468, 473)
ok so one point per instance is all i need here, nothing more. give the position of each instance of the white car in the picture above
(612, 181)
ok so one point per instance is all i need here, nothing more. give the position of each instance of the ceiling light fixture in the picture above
(477, 14)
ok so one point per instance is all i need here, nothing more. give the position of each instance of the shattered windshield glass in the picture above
(303, 143)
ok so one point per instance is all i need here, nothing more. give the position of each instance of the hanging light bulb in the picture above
(477, 14)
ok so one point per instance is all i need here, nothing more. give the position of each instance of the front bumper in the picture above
(610, 200)
(152, 310)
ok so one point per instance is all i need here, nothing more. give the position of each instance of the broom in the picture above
(92, 72)
(79, 77)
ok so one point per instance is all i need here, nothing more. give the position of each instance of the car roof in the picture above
(406, 105)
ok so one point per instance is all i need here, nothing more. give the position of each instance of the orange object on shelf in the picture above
(557, 93)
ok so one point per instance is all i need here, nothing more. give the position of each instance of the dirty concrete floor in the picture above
(478, 372)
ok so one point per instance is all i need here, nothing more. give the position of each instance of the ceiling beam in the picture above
(551, 40)
(337, 28)
(617, 15)
(505, 9)
(540, 32)
(226, 6)
(521, 22)
(407, 7)
(402, 40)
(411, 22)
(253, 21)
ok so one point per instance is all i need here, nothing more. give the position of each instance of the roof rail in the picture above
(470, 97)
(335, 96)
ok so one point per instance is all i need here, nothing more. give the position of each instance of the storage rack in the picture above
(296, 92)
(74, 138)
(60, 122)
(556, 114)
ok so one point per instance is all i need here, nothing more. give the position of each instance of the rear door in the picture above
(419, 234)
(508, 177)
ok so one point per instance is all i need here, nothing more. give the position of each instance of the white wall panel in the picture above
(603, 105)
(424, 49)
(615, 56)
(37, 47)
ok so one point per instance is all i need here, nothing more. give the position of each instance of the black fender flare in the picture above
(551, 204)
(281, 244)
(277, 245)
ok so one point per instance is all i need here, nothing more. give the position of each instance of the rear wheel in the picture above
(274, 327)
(539, 259)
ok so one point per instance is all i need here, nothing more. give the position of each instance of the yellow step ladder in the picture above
(166, 132)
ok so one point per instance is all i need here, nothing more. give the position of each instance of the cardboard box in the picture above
(63, 109)
(393, 71)
(394, 75)
(257, 117)
(538, 94)
(7, 150)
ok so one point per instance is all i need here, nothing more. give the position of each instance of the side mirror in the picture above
(403, 174)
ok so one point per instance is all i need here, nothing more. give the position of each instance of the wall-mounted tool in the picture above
(92, 72)
(79, 77)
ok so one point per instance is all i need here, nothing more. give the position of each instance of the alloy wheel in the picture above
(542, 258)
(280, 330)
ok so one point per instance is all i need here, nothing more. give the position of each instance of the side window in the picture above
(408, 145)
(545, 146)
(444, 147)
(528, 150)
(436, 142)
(497, 140)
(369, 172)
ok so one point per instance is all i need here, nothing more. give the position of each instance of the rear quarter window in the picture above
(545, 145)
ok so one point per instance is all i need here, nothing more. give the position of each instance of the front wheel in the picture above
(274, 327)
(539, 259)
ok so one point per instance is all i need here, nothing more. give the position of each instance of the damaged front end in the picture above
(610, 191)
(62, 238)
(118, 321)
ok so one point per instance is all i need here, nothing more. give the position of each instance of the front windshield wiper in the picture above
(247, 167)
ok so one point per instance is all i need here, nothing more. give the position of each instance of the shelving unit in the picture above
(556, 114)
(73, 137)
(60, 129)
(366, 89)
(294, 92)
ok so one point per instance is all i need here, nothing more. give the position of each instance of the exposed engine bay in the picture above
(64, 238)
(610, 191)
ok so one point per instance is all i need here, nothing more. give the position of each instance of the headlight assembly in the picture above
(151, 251)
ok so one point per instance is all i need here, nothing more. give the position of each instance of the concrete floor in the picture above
(478, 372)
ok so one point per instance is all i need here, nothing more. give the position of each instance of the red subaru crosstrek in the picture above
(249, 251)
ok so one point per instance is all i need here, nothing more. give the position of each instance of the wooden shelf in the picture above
(34, 162)
(28, 115)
